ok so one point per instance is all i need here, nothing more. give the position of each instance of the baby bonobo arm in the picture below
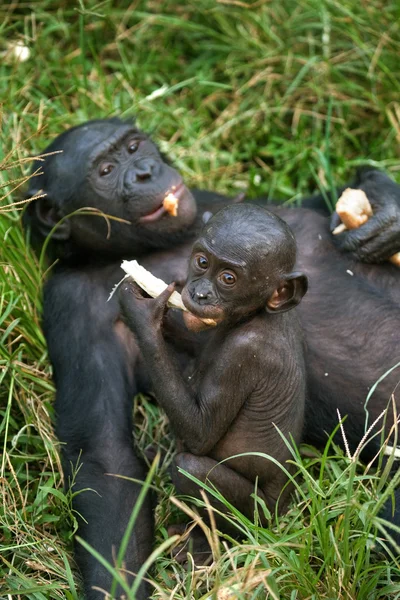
(198, 417)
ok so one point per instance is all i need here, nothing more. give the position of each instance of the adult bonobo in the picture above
(249, 378)
(92, 353)
(351, 322)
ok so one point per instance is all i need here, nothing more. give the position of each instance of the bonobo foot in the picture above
(193, 542)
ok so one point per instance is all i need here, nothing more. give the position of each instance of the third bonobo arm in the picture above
(94, 423)
(379, 238)
(199, 417)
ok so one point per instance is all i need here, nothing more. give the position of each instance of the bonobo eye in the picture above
(201, 261)
(133, 145)
(227, 278)
(105, 169)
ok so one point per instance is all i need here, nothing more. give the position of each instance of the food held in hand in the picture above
(354, 209)
(154, 286)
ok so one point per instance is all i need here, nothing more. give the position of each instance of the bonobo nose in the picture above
(144, 170)
(202, 295)
(202, 292)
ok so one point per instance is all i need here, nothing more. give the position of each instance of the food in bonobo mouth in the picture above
(154, 286)
(170, 203)
(354, 210)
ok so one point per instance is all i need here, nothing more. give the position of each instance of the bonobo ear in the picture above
(44, 216)
(289, 294)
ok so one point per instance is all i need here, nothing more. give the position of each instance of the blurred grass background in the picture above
(274, 97)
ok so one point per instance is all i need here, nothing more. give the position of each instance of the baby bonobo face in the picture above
(242, 263)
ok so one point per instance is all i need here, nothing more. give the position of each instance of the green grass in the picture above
(276, 97)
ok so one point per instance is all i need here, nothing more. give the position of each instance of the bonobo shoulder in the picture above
(252, 334)
(279, 331)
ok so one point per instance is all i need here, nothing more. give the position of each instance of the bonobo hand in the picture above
(143, 314)
(379, 237)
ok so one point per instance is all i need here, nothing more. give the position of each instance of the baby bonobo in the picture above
(248, 380)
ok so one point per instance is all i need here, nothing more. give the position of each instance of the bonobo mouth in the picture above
(202, 311)
(178, 190)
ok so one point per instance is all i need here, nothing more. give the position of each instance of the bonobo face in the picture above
(127, 173)
(242, 263)
(115, 168)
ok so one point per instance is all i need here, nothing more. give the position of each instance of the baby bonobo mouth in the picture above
(168, 206)
(200, 316)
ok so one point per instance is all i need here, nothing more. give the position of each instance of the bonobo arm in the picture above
(94, 423)
(379, 237)
(199, 418)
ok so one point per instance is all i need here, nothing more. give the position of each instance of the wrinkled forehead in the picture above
(80, 148)
(245, 244)
(240, 250)
(87, 140)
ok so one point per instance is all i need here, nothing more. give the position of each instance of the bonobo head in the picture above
(243, 263)
(112, 166)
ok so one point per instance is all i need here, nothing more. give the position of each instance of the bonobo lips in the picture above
(202, 311)
(177, 190)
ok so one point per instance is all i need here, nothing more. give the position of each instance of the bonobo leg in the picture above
(235, 488)
(100, 445)
(106, 503)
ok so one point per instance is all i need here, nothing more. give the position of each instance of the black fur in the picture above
(350, 316)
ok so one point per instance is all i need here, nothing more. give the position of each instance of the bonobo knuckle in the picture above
(368, 257)
(349, 243)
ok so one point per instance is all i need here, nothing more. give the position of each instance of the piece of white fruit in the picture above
(354, 209)
(154, 286)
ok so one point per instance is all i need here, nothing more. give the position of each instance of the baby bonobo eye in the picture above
(133, 145)
(227, 278)
(201, 261)
(105, 169)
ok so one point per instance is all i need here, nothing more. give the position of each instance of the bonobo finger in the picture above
(129, 299)
(353, 239)
(382, 192)
(335, 221)
(160, 303)
(163, 298)
(131, 289)
(380, 248)
(138, 292)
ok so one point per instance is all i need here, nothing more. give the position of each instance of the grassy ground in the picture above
(276, 97)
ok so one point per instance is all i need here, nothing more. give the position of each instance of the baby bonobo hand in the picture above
(142, 314)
